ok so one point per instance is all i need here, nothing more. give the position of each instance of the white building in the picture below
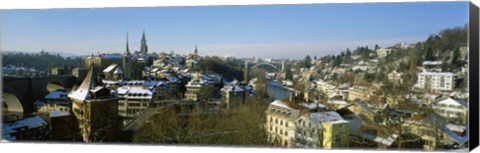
(395, 77)
(326, 87)
(234, 94)
(55, 101)
(133, 100)
(442, 81)
(383, 52)
(198, 88)
(452, 110)
(322, 130)
(281, 117)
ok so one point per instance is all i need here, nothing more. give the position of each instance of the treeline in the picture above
(242, 126)
(229, 69)
(40, 61)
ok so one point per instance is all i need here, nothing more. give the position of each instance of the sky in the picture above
(264, 31)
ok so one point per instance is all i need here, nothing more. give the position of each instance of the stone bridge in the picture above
(27, 90)
(278, 66)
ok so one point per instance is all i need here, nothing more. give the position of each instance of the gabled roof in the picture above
(90, 82)
(29, 123)
(451, 101)
(118, 70)
(110, 68)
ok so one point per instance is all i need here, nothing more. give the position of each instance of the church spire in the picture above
(143, 45)
(127, 51)
(196, 50)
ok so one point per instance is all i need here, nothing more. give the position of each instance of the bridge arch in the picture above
(11, 101)
(54, 85)
(267, 64)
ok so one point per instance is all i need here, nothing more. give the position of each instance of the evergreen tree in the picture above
(337, 61)
(456, 58)
(307, 62)
(348, 52)
(429, 54)
(413, 65)
(288, 74)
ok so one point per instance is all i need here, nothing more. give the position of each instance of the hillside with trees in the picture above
(444, 46)
(40, 61)
(229, 69)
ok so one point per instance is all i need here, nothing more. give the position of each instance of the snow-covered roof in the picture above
(432, 63)
(338, 102)
(233, 88)
(330, 117)
(135, 92)
(112, 82)
(56, 95)
(279, 103)
(118, 70)
(110, 68)
(88, 85)
(59, 114)
(96, 89)
(456, 128)
(451, 101)
(29, 123)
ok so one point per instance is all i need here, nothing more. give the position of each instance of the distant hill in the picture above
(63, 54)
(448, 46)
(40, 60)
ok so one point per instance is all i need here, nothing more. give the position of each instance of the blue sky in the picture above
(266, 31)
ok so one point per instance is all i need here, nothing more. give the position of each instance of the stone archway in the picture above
(54, 85)
(11, 104)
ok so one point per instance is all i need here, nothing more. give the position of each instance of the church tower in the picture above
(96, 110)
(195, 53)
(143, 46)
(127, 63)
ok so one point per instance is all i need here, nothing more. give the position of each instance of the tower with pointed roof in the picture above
(95, 109)
(144, 46)
(196, 51)
(127, 63)
(195, 54)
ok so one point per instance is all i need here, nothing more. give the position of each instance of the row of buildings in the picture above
(326, 114)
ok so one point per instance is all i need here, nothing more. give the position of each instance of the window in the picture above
(337, 140)
(286, 124)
